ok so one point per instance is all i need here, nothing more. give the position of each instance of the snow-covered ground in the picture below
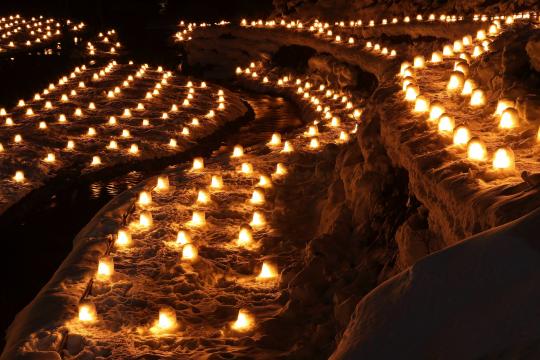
(227, 286)
(245, 255)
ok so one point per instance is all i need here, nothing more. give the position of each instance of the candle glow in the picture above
(509, 119)
(476, 150)
(189, 252)
(87, 312)
(268, 272)
(105, 268)
(123, 238)
(462, 135)
(198, 218)
(503, 159)
(244, 321)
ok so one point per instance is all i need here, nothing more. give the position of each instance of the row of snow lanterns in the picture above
(458, 83)
(104, 40)
(187, 29)
(35, 29)
(319, 29)
(304, 91)
(113, 145)
(167, 321)
(298, 24)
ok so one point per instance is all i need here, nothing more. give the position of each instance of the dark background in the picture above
(135, 14)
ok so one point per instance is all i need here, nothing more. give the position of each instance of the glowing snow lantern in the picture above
(456, 81)
(419, 62)
(314, 143)
(411, 92)
(446, 124)
(476, 150)
(198, 163)
(246, 168)
(113, 145)
(42, 125)
(509, 118)
(29, 112)
(91, 131)
(257, 198)
(183, 237)
(481, 35)
(203, 197)
(216, 182)
(407, 81)
(287, 147)
(264, 181)
(238, 151)
(125, 133)
(19, 176)
(87, 312)
(458, 46)
(503, 159)
(245, 237)
(70, 145)
(105, 268)
(145, 198)
(280, 169)
(50, 158)
(145, 219)
(189, 252)
(462, 67)
(502, 105)
(198, 218)
(447, 51)
(435, 111)
(477, 51)
(123, 238)
(95, 160)
(468, 87)
(478, 98)
(436, 57)
(312, 131)
(257, 219)
(134, 149)
(268, 271)
(275, 140)
(335, 122)
(166, 321)
(462, 135)
(404, 65)
(162, 183)
(244, 321)
(343, 136)
(421, 104)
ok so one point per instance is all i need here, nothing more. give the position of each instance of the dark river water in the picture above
(39, 236)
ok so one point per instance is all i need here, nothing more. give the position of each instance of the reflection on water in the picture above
(110, 188)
